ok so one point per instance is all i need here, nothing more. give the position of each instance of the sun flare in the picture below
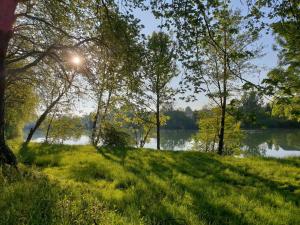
(76, 60)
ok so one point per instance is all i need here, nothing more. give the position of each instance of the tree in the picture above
(112, 68)
(140, 121)
(215, 46)
(7, 18)
(21, 101)
(160, 68)
(43, 29)
(249, 109)
(283, 82)
(179, 120)
(55, 91)
(59, 128)
(27, 48)
(253, 113)
(209, 128)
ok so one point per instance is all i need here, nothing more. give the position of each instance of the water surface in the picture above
(270, 142)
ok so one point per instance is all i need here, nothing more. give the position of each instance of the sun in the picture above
(76, 60)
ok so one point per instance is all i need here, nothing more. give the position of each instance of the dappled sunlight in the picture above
(140, 112)
(183, 187)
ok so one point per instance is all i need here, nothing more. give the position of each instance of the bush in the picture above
(207, 139)
(115, 137)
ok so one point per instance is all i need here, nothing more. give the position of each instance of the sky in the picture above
(265, 63)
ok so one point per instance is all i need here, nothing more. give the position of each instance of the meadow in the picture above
(63, 184)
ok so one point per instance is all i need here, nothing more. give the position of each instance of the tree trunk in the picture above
(41, 119)
(223, 106)
(6, 155)
(103, 117)
(49, 128)
(94, 126)
(36, 126)
(222, 128)
(7, 18)
(144, 139)
(158, 123)
(47, 133)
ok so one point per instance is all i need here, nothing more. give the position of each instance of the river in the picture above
(270, 142)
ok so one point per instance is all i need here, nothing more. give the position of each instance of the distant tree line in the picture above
(253, 113)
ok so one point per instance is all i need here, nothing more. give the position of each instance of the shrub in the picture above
(115, 137)
(207, 138)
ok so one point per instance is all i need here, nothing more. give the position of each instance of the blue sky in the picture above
(266, 62)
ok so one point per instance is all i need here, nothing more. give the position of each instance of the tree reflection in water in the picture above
(258, 142)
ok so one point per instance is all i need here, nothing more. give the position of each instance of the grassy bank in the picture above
(77, 185)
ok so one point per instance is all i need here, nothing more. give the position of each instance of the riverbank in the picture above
(277, 143)
(63, 184)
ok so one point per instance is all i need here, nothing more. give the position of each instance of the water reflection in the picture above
(277, 143)
(273, 142)
(177, 139)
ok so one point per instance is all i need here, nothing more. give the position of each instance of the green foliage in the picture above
(117, 187)
(115, 137)
(142, 125)
(209, 128)
(63, 128)
(113, 65)
(252, 113)
(179, 120)
(21, 102)
(159, 68)
(283, 82)
(138, 122)
(249, 110)
(284, 86)
(289, 108)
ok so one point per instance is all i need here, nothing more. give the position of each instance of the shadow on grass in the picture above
(119, 153)
(31, 198)
(90, 171)
(51, 153)
(27, 199)
(210, 169)
(216, 168)
(158, 182)
(292, 161)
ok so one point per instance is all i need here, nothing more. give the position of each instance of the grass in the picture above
(61, 184)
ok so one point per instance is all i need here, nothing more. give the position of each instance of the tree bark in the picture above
(6, 155)
(103, 117)
(222, 128)
(41, 119)
(158, 122)
(49, 128)
(143, 141)
(94, 126)
(223, 106)
(7, 18)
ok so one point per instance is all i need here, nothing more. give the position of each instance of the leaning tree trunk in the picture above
(49, 128)
(41, 119)
(7, 18)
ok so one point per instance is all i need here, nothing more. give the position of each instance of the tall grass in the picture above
(79, 185)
